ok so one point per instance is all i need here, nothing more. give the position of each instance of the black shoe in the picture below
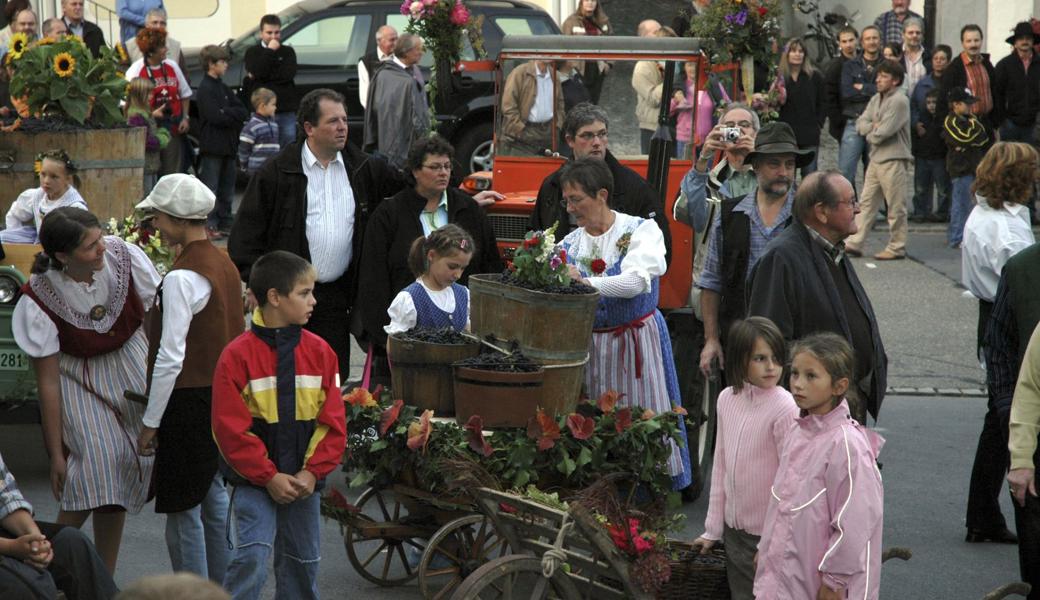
(917, 218)
(1000, 536)
(938, 218)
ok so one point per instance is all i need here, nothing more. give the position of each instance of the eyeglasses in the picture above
(572, 201)
(741, 124)
(853, 203)
(588, 136)
(440, 167)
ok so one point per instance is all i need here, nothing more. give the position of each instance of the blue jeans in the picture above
(218, 173)
(286, 127)
(960, 207)
(1009, 132)
(196, 538)
(852, 151)
(930, 172)
(291, 531)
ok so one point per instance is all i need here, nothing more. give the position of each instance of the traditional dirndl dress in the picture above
(419, 306)
(102, 352)
(631, 350)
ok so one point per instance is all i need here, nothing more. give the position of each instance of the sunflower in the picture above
(37, 166)
(64, 64)
(122, 53)
(47, 41)
(19, 42)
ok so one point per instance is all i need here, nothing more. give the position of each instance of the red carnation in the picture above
(762, 11)
(598, 266)
(563, 255)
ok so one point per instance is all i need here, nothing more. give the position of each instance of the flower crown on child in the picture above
(58, 155)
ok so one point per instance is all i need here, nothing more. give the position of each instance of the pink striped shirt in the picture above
(752, 425)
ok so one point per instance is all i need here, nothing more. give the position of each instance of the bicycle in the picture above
(821, 40)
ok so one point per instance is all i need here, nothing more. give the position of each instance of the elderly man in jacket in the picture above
(805, 283)
(528, 108)
(313, 199)
(398, 112)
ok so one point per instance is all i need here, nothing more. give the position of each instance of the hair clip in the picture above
(463, 244)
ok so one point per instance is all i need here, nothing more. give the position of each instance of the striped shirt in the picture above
(11, 498)
(330, 215)
(711, 278)
(891, 27)
(978, 83)
(257, 143)
(752, 427)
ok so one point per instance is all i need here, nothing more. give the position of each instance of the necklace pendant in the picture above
(98, 312)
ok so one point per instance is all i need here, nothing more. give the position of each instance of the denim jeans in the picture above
(961, 203)
(291, 531)
(852, 151)
(197, 537)
(286, 127)
(218, 173)
(1009, 132)
(930, 172)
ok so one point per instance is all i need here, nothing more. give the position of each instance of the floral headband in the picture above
(58, 155)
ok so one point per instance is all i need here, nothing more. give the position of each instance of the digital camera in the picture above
(730, 134)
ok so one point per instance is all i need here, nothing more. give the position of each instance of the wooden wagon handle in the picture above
(471, 337)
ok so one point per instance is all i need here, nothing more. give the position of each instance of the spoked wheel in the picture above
(515, 577)
(454, 552)
(382, 545)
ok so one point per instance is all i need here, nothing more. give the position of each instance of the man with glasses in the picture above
(156, 19)
(740, 231)
(585, 131)
(805, 283)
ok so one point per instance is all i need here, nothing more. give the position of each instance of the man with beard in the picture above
(741, 231)
(585, 131)
(805, 283)
(885, 123)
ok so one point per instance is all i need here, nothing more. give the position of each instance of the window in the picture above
(523, 26)
(399, 22)
(335, 41)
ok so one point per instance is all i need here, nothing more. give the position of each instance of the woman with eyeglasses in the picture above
(623, 256)
(429, 204)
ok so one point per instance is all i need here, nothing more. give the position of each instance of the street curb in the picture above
(931, 391)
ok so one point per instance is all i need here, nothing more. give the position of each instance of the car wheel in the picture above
(475, 149)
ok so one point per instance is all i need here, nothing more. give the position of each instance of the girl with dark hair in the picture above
(80, 321)
(435, 300)
(754, 415)
(57, 175)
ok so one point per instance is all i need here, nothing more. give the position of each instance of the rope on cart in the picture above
(555, 556)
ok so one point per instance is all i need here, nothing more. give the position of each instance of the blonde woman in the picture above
(802, 98)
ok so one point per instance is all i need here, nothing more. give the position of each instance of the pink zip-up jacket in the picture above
(824, 522)
(753, 424)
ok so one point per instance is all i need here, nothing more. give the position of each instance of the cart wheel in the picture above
(514, 577)
(455, 551)
(382, 554)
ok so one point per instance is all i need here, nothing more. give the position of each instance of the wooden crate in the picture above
(110, 163)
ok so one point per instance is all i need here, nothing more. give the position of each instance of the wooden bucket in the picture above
(554, 330)
(421, 375)
(501, 398)
(110, 163)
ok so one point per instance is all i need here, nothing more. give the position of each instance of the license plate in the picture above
(13, 360)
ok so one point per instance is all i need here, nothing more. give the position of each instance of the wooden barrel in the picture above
(421, 373)
(501, 398)
(110, 163)
(554, 330)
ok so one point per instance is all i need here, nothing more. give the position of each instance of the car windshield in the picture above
(631, 95)
(242, 43)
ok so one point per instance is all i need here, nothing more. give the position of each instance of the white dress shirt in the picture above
(364, 77)
(991, 237)
(542, 110)
(330, 215)
(184, 294)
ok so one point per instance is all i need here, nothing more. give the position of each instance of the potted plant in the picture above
(550, 316)
(67, 98)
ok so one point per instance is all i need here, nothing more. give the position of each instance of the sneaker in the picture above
(888, 255)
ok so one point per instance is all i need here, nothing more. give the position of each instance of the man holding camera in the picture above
(743, 227)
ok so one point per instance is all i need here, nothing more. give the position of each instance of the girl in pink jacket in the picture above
(822, 535)
(754, 416)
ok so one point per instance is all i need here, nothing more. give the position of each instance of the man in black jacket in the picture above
(72, 14)
(271, 65)
(585, 131)
(804, 283)
(848, 38)
(313, 199)
(956, 76)
(1016, 87)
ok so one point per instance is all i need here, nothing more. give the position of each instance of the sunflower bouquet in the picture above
(58, 77)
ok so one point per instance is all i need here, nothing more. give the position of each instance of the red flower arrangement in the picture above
(598, 266)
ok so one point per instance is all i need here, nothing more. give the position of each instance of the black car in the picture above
(331, 36)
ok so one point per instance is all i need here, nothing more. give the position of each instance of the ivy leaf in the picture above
(584, 457)
(377, 446)
(361, 479)
(566, 464)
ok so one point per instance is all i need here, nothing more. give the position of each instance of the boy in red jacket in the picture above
(280, 425)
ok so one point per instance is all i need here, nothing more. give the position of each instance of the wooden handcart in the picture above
(556, 554)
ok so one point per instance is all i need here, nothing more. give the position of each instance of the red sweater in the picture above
(246, 415)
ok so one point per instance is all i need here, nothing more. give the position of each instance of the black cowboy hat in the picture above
(778, 138)
(1023, 29)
